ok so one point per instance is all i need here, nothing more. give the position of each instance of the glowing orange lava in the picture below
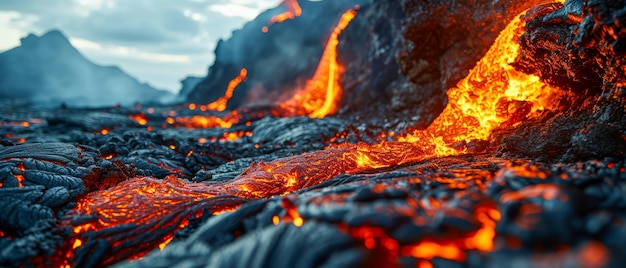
(157, 207)
(321, 94)
(220, 104)
(231, 136)
(493, 95)
(20, 178)
(429, 248)
(199, 121)
(140, 118)
(292, 10)
(209, 121)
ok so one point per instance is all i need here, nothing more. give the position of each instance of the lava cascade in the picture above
(321, 94)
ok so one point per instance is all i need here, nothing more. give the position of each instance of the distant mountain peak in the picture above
(47, 71)
(52, 40)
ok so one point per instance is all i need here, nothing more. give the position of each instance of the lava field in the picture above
(504, 146)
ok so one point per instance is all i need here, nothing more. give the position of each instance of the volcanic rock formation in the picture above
(269, 56)
(524, 166)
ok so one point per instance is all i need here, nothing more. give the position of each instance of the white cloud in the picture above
(12, 28)
(235, 10)
(121, 51)
(83, 44)
(85, 7)
(194, 16)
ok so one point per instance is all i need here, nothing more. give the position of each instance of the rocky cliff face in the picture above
(46, 71)
(275, 59)
(403, 55)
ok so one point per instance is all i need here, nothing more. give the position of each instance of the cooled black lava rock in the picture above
(474, 211)
(403, 55)
(277, 61)
(576, 47)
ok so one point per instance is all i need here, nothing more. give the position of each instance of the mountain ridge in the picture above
(47, 71)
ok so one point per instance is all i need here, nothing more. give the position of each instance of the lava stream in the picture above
(292, 11)
(220, 104)
(322, 93)
(493, 95)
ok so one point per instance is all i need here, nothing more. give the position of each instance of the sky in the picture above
(159, 42)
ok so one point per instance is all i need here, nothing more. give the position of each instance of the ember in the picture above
(524, 164)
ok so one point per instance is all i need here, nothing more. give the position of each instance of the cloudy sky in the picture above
(156, 41)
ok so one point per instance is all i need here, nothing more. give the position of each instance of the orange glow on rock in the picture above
(376, 238)
(164, 244)
(140, 118)
(594, 254)
(492, 95)
(220, 104)
(545, 191)
(20, 180)
(232, 136)
(199, 121)
(144, 203)
(454, 249)
(77, 243)
(322, 93)
(292, 10)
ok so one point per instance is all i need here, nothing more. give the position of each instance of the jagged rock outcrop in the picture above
(403, 55)
(579, 47)
(277, 61)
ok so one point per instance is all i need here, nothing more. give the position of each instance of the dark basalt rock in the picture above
(403, 55)
(50, 178)
(269, 57)
(537, 210)
(576, 47)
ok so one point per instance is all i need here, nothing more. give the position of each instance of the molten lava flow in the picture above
(298, 172)
(140, 118)
(153, 208)
(376, 238)
(321, 95)
(200, 121)
(231, 136)
(220, 104)
(493, 95)
(292, 10)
